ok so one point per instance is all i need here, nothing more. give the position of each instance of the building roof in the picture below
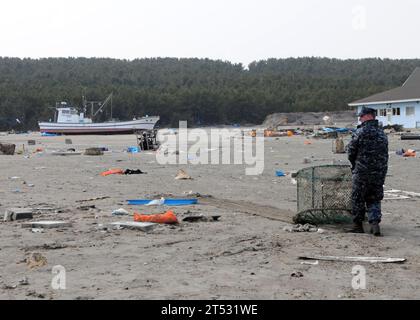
(409, 91)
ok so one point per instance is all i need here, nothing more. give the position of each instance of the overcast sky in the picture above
(234, 30)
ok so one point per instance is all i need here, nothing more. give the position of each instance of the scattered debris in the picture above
(280, 173)
(156, 202)
(86, 208)
(47, 224)
(395, 194)
(410, 153)
(338, 146)
(394, 128)
(120, 212)
(31, 142)
(94, 152)
(66, 153)
(94, 199)
(147, 140)
(297, 274)
(33, 293)
(355, 259)
(301, 228)
(37, 230)
(36, 260)
(142, 226)
(24, 281)
(48, 134)
(410, 137)
(7, 149)
(306, 160)
(130, 171)
(9, 287)
(18, 214)
(201, 218)
(315, 263)
(163, 201)
(112, 171)
(68, 141)
(167, 218)
(182, 175)
(133, 149)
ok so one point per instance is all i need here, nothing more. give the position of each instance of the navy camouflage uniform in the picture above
(368, 154)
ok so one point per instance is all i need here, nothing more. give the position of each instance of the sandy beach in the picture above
(246, 254)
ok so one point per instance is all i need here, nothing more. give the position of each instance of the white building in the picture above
(396, 106)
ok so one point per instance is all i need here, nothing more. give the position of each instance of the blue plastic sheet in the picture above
(280, 173)
(168, 202)
(133, 150)
(341, 130)
(47, 134)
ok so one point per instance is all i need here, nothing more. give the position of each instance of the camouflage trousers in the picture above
(367, 194)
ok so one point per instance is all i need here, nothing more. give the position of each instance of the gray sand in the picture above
(244, 255)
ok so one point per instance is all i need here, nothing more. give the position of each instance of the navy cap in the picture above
(366, 111)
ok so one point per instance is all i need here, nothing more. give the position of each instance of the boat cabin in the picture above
(69, 114)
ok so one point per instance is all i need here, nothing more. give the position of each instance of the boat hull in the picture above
(147, 123)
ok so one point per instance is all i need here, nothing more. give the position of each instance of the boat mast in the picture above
(109, 98)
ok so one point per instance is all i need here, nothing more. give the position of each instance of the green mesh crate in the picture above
(324, 195)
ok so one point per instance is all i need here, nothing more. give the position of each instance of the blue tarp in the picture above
(47, 134)
(133, 149)
(168, 202)
(280, 173)
(341, 130)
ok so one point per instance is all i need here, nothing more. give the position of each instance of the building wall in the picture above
(407, 120)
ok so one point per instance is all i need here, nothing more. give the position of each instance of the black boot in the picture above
(375, 230)
(357, 228)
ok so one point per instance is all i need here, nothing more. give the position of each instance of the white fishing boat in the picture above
(68, 120)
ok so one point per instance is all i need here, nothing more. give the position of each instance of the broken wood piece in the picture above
(93, 199)
(355, 259)
(18, 214)
(315, 263)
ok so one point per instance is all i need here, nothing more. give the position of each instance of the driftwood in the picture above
(355, 259)
(410, 137)
(7, 149)
(93, 199)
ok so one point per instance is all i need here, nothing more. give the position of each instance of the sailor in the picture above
(368, 155)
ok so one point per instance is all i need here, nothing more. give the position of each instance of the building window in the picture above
(396, 111)
(382, 112)
(410, 111)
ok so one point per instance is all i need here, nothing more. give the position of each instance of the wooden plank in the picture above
(354, 259)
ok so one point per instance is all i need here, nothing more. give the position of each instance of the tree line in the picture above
(201, 91)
